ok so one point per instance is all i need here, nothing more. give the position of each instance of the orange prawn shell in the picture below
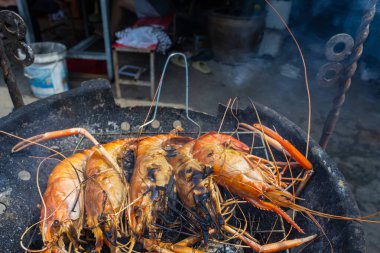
(235, 172)
(185, 167)
(231, 167)
(106, 189)
(63, 199)
(222, 139)
(231, 170)
(195, 187)
(152, 172)
(102, 178)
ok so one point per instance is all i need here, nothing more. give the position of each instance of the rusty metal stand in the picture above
(9, 78)
(13, 32)
(348, 71)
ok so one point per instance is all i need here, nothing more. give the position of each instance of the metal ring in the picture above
(329, 74)
(20, 51)
(12, 25)
(14, 29)
(339, 47)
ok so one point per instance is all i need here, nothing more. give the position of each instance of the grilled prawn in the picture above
(149, 182)
(62, 212)
(197, 190)
(106, 193)
(105, 189)
(233, 170)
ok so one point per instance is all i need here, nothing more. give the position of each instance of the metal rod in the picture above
(152, 74)
(349, 71)
(10, 79)
(13, 29)
(116, 73)
(104, 9)
(86, 55)
(160, 86)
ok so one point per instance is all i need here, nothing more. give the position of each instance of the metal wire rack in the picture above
(156, 100)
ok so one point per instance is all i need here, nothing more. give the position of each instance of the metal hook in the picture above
(159, 92)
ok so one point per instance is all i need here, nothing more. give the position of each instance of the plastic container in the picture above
(48, 74)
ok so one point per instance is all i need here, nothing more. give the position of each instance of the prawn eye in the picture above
(56, 223)
(101, 217)
(261, 197)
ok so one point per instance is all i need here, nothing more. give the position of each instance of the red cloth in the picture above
(87, 66)
(115, 44)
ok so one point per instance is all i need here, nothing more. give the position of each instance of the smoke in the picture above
(242, 74)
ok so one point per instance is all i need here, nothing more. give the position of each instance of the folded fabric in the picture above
(144, 37)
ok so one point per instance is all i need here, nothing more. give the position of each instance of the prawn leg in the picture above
(65, 133)
(285, 144)
(98, 234)
(180, 247)
(271, 207)
(271, 247)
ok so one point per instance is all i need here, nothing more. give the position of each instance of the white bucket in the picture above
(48, 74)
